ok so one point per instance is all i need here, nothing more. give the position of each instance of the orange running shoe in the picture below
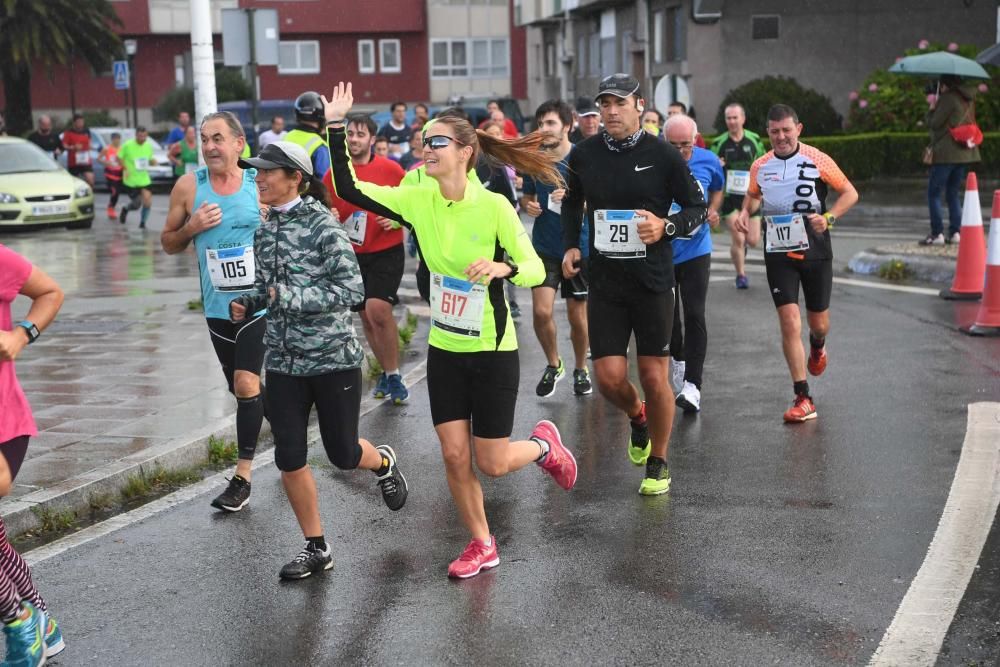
(802, 410)
(817, 361)
(111, 213)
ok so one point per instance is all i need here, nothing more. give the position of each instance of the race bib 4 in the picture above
(357, 224)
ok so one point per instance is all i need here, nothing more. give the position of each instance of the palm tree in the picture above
(48, 32)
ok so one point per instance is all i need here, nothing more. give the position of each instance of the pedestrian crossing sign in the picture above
(121, 74)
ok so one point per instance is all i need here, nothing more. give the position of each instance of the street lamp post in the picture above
(131, 46)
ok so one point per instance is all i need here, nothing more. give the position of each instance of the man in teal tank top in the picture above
(217, 207)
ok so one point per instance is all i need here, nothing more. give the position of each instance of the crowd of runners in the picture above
(293, 242)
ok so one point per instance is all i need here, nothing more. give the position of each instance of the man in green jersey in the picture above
(737, 150)
(136, 156)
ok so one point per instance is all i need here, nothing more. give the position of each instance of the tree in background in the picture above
(888, 102)
(815, 111)
(50, 32)
(230, 86)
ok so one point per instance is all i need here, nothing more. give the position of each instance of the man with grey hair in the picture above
(217, 207)
(692, 261)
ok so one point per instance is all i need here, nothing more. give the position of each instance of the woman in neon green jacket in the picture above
(472, 366)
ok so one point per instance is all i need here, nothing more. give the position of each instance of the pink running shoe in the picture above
(560, 462)
(476, 558)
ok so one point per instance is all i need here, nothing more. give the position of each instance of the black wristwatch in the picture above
(33, 332)
(513, 268)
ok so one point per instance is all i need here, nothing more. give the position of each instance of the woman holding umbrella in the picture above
(955, 106)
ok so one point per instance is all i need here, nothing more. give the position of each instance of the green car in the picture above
(36, 192)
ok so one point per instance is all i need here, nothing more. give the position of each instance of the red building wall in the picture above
(518, 59)
(336, 24)
(338, 55)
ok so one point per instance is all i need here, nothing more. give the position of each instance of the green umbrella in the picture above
(940, 63)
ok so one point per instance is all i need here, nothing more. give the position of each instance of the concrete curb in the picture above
(21, 515)
(923, 269)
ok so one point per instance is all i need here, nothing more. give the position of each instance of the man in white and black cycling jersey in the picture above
(627, 178)
(789, 186)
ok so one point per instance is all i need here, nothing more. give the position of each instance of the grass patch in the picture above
(100, 502)
(157, 480)
(221, 452)
(374, 367)
(196, 305)
(54, 519)
(895, 270)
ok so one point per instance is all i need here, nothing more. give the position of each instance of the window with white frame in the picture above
(478, 58)
(366, 56)
(388, 56)
(298, 57)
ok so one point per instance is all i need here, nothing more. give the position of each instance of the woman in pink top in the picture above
(31, 634)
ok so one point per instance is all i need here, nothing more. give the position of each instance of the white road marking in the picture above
(60, 546)
(918, 630)
(887, 286)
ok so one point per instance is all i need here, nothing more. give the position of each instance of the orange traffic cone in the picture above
(988, 320)
(971, 267)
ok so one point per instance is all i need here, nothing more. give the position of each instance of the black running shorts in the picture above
(613, 318)
(570, 288)
(382, 272)
(337, 399)
(476, 386)
(240, 347)
(815, 275)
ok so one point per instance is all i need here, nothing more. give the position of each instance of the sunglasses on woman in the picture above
(439, 141)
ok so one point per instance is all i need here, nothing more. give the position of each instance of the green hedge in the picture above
(880, 154)
(867, 156)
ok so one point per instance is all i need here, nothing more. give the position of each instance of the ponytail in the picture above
(525, 154)
(313, 187)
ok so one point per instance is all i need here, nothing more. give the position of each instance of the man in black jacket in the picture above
(628, 179)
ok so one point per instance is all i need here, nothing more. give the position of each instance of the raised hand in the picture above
(339, 105)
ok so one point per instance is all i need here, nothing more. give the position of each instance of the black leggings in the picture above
(692, 290)
(337, 397)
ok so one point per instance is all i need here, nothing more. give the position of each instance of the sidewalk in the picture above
(120, 383)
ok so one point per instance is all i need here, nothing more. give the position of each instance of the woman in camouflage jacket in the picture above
(307, 278)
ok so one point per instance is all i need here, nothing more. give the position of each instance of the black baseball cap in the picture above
(619, 85)
(277, 155)
(585, 107)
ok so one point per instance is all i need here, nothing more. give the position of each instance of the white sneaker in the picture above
(689, 399)
(955, 238)
(931, 239)
(677, 375)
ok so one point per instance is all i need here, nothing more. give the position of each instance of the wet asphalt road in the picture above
(776, 544)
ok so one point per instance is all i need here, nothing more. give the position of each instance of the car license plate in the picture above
(50, 209)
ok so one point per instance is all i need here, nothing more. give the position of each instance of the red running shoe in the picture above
(111, 213)
(476, 558)
(560, 462)
(802, 410)
(817, 361)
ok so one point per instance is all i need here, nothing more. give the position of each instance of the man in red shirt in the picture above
(497, 116)
(76, 140)
(379, 249)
